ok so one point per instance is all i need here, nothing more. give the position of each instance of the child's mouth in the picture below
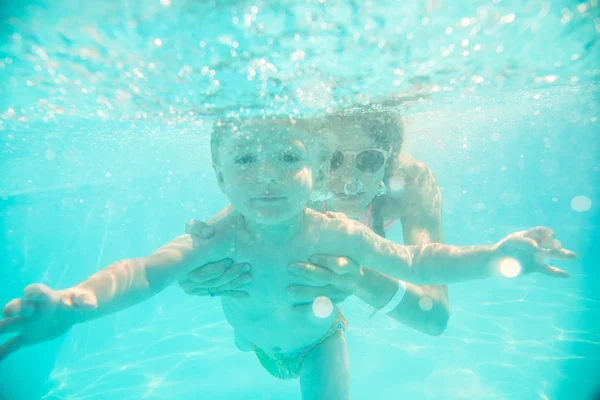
(269, 199)
(344, 196)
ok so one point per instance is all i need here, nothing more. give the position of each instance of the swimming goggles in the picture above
(368, 160)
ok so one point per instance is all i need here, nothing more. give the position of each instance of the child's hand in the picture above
(531, 248)
(41, 315)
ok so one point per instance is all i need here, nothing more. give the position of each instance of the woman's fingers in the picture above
(199, 229)
(190, 287)
(226, 293)
(211, 271)
(234, 284)
(313, 272)
(339, 265)
(10, 346)
(226, 277)
(223, 280)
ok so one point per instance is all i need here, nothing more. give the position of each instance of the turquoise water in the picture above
(105, 112)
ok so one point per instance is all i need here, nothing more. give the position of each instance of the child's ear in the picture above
(220, 179)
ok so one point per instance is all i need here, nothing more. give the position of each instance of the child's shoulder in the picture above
(227, 223)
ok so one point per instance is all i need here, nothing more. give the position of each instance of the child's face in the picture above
(267, 171)
(357, 158)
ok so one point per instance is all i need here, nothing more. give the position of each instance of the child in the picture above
(267, 169)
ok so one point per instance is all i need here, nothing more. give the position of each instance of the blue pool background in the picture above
(80, 190)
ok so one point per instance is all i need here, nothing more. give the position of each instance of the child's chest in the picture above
(269, 263)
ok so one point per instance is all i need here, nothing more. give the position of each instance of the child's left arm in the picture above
(437, 263)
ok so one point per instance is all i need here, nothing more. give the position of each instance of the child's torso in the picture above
(266, 318)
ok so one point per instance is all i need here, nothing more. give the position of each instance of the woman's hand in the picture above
(531, 248)
(222, 278)
(334, 277)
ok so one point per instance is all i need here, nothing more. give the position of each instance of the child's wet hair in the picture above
(314, 136)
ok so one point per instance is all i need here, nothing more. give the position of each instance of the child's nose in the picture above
(267, 173)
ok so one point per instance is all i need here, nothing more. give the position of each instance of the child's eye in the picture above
(290, 157)
(244, 159)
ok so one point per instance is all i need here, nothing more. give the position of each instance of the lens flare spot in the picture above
(322, 307)
(581, 203)
(510, 267)
(396, 183)
(425, 303)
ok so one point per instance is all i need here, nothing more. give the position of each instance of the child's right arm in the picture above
(43, 314)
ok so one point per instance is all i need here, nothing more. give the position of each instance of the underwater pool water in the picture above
(105, 115)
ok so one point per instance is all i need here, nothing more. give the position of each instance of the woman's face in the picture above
(355, 170)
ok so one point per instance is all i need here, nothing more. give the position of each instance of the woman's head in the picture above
(367, 143)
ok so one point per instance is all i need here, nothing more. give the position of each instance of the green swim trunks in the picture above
(287, 365)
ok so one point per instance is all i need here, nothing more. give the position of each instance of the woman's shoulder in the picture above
(412, 187)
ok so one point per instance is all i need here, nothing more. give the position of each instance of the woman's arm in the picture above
(425, 308)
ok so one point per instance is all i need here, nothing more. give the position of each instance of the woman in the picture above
(371, 180)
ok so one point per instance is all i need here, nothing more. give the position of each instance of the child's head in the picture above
(367, 143)
(267, 167)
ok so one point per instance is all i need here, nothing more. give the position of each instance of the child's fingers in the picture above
(568, 254)
(554, 272)
(523, 243)
(9, 325)
(562, 254)
(540, 234)
(38, 293)
(19, 307)
(10, 346)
